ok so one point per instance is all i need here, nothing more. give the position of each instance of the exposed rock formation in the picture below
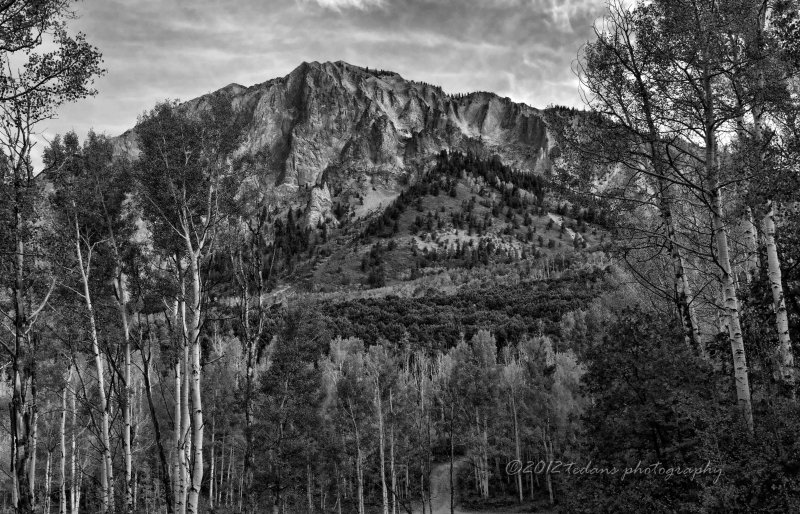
(320, 207)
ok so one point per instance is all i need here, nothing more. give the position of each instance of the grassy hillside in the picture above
(462, 213)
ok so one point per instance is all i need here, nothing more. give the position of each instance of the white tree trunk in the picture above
(119, 290)
(683, 291)
(211, 472)
(741, 372)
(392, 469)
(517, 453)
(751, 245)
(62, 487)
(48, 476)
(221, 479)
(107, 469)
(731, 300)
(381, 444)
(197, 402)
(785, 357)
(74, 486)
(229, 493)
(309, 489)
(178, 475)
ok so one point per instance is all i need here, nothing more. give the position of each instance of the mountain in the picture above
(350, 163)
(334, 131)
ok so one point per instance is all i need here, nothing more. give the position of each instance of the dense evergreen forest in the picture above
(616, 334)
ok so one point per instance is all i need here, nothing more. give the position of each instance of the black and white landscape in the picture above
(347, 287)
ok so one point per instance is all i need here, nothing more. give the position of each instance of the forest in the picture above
(616, 334)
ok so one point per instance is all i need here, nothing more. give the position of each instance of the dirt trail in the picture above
(440, 487)
(440, 491)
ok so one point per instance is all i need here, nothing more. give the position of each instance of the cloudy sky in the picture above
(158, 49)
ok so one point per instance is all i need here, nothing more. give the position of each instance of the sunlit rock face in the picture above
(320, 208)
(328, 132)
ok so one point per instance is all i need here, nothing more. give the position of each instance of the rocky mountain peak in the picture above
(361, 129)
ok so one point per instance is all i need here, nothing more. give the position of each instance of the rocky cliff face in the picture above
(359, 130)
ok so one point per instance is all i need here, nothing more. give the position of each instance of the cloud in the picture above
(338, 5)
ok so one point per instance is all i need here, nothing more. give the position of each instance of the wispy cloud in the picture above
(348, 4)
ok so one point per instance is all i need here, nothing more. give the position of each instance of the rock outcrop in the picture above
(320, 208)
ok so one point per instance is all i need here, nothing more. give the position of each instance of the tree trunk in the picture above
(751, 243)
(21, 411)
(186, 418)
(211, 472)
(309, 491)
(785, 357)
(197, 401)
(452, 456)
(79, 487)
(165, 474)
(119, 286)
(48, 476)
(658, 160)
(229, 493)
(62, 445)
(241, 488)
(34, 434)
(391, 455)
(548, 457)
(74, 500)
(107, 469)
(683, 299)
(359, 458)
(338, 489)
(221, 479)
(517, 453)
(178, 475)
(741, 373)
(379, 407)
(485, 457)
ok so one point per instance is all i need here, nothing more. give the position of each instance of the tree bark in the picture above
(74, 487)
(741, 372)
(197, 401)
(452, 457)
(683, 300)
(309, 491)
(178, 475)
(48, 479)
(62, 444)
(21, 410)
(785, 357)
(229, 493)
(221, 479)
(548, 454)
(382, 452)
(212, 471)
(751, 243)
(359, 470)
(517, 453)
(107, 470)
(122, 305)
(391, 455)
(165, 473)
